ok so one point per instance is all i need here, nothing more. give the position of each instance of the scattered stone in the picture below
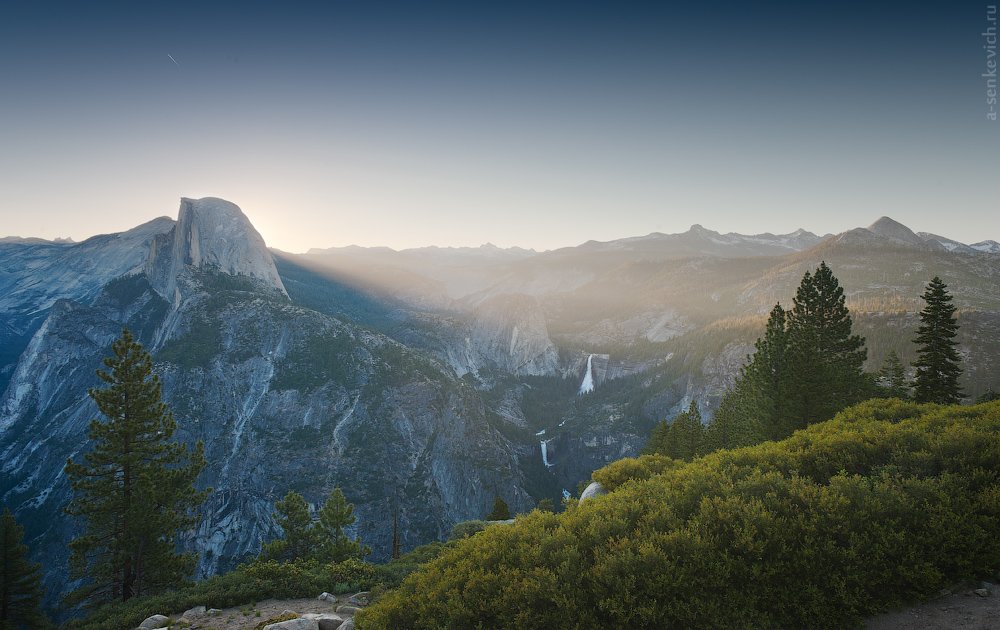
(294, 624)
(326, 621)
(197, 611)
(213, 612)
(982, 592)
(360, 599)
(347, 610)
(154, 622)
(327, 597)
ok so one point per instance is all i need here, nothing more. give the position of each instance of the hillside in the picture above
(886, 503)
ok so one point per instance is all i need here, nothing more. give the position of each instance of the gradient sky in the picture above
(408, 124)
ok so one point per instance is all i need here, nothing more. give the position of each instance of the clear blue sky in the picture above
(530, 124)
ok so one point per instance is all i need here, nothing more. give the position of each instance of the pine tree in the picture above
(299, 538)
(938, 364)
(765, 378)
(321, 539)
(20, 580)
(735, 423)
(892, 378)
(825, 359)
(135, 488)
(500, 510)
(988, 396)
(334, 516)
(682, 438)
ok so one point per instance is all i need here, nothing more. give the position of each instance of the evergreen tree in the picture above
(682, 438)
(892, 378)
(938, 363)
(20, 580)
(500, 510)
(322, 539)
(765, 378)
(988, 396)
(658, 439)
(135, 488)
(299, 538)
(735, 423)
(824, 359)
(334, 516)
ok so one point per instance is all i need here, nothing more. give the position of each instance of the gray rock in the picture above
(593, 490)
(360, 599)
(197, 611)
(326, 621)
(213, 612)
(348, 625)
(156, 621)
(982, 592)
(294, 624)
(327, 597)
(348, 610)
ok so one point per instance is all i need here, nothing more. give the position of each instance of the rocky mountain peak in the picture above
(214, 234)
(895, 231)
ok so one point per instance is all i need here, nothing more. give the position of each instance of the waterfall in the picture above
(545, 453)
(587, 385)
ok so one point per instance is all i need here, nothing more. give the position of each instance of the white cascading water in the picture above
(587, 385)
(545, 453)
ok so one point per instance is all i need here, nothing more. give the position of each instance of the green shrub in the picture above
(644, 467)
(466, 529)
(885, 503)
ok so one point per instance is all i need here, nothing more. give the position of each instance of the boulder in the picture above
(213, 612)
(326, 621)
(327, 597)
(982, 592)
(593, 490)
(348, 625)
(197, 611)
(347, 610)
(294, 624)
(360, 599)
(154, 622)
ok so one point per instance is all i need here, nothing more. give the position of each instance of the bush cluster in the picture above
(886, 503)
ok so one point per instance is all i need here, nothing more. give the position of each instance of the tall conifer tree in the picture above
(20, 580)
(824, 357)
(766, 376)
(134, 490)
(938, 363)
(892, 377)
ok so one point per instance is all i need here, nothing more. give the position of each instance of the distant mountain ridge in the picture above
(427, 378)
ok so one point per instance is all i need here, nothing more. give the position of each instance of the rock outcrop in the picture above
(211, 234)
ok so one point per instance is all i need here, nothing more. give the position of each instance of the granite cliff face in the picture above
(210, 234)
(35, 274)
(513, 375)
(283, 397)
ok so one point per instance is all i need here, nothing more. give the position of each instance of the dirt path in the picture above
(963, 610)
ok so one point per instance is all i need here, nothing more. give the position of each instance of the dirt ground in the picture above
(959, 611)
(963, 610)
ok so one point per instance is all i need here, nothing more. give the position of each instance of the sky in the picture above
(533, 124)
